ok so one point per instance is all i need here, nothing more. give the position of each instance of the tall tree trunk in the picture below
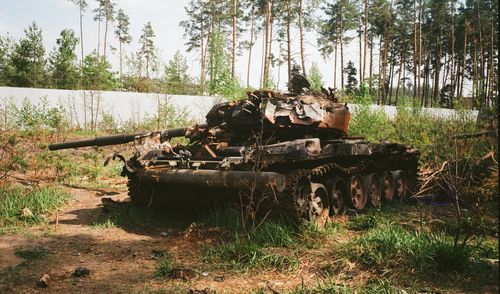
(301, 40)
(404, 76)
(391, 75)
(233, 51)
(279, 67)
(370, 82)
(252, 32)
(341, 55)
(105, 39)
(384, 65)
(464, 58)
(203, 65)
(360, 51)
(268, 36)
(475, 74)
(380, 61)
(121, 60)
(437, 66)
(264, 51)
(452, 73)
(414, 50)
(99, 34)
(335, 68)
(81, 35)
(420, 48)
(427, 71)
(269, 49)
(401, 67)
(288, 42)
(365, 39)
(481, 52)
(491, 80)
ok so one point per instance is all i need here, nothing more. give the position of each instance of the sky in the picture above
(53, 16)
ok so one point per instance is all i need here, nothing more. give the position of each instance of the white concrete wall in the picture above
(128, 105)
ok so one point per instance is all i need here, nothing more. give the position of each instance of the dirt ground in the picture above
(120, 260)
(123, 258)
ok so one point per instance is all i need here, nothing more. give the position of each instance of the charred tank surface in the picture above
(292, 149)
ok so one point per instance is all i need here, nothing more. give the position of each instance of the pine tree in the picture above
(109, 16)
(197, 31)
(148, 49)
(27, 63)
(6, 48)
(315, 77)
(342, 16)
(177, 79)
(352, 82)
(122, 34)
(99, 17)
(64, 71)
(82, 5)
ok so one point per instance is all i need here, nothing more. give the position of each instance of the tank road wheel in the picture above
(374, 187)
(338, 195)
(312, 202)
(359, 195)
(388, 186)
(318, 205)
(401, 184)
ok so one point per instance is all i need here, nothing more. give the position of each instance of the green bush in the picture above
(411, 125)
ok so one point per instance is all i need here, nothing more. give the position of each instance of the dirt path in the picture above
(120, 259)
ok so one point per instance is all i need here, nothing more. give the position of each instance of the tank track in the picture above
(324, 173)
(140, 193)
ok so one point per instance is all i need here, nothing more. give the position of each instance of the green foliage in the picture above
(27, 62)
(104, 224)
(148, 50)
(219, 71)
(243, 253)
(39, 201)
(392, 247)
(8, 111)
(315, 77)
(31, 255)
(177, 79)
(32, 118)
(167, 116)
(96, 73)
(363, 222)
(6, 48)
(411, 125)
(352, 82)
(64, 71)
(163, 266)
(262, 246)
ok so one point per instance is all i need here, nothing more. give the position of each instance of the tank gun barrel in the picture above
(116, 139)
(98, 141)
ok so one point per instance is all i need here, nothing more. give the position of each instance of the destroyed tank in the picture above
(288, 152)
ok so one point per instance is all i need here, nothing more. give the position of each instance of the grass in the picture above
(104, 224)
(391, 247)
(163, 266)
(31, 255)
(21, 206)
(274, 244)
(377, 286)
